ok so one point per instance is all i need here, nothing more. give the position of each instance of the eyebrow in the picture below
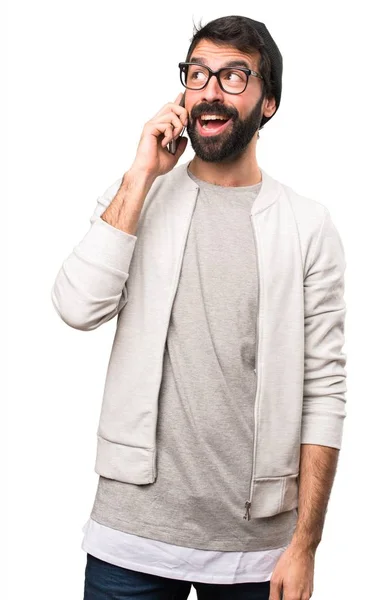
(231, 63)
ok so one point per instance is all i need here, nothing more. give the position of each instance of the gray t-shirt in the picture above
(206, 402)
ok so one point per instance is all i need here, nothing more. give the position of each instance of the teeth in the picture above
(212, 117)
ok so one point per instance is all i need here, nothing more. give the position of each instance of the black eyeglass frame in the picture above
(248, 72)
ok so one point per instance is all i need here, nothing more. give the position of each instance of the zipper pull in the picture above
(247, 511)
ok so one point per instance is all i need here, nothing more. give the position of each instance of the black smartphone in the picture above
(172, 146)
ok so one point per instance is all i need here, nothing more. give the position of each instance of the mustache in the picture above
(216, 109)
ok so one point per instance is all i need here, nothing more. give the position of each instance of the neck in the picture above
(241, 171)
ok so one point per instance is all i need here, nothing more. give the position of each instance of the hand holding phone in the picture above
(153, 156)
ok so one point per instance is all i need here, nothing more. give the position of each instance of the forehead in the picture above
(216, 56)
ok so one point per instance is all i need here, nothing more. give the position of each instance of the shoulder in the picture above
(314, 224)
(308, 212)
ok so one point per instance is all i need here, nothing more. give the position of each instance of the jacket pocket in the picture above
(273, 495)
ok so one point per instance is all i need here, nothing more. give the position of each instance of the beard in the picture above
(228, 145)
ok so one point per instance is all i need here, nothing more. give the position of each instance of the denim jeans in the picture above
(104, 581)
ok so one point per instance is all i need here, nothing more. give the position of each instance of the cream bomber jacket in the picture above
(301, 376)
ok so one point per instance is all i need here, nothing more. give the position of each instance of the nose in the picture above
(213, 92)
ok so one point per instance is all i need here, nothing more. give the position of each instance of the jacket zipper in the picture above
(248, 503)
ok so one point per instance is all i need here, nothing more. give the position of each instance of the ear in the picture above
(269, 107)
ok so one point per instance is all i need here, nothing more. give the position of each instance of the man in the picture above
(228, 291)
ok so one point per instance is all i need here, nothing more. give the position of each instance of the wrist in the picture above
(304, 543)
(139, 175)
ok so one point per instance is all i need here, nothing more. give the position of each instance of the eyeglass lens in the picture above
(195, 77)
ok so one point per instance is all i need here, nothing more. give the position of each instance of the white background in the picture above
(83, 77)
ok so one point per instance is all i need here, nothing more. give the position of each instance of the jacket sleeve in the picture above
(89, 288)
(324, 368)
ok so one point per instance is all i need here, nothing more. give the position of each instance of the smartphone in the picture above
(172, 146)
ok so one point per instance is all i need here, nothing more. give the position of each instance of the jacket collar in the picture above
(269, 192)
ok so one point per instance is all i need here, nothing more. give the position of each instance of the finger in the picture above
(172, 132)
(171, 117)
(172, 135)
(276, 590)
(169, 135)
(166, 130)
(181, 111)
(163, 128)
(158, 129)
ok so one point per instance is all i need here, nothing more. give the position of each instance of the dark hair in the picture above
(237, 32)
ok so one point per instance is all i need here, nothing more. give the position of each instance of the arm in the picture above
(323, 410)
(124, 210)
(90, 286)
(294, 571)
(317, 471)
(324, 382)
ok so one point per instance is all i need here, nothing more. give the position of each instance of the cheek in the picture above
(239, 107)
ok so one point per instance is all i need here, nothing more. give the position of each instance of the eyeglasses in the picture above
(196, 76)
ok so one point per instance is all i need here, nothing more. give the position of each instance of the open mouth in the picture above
(212, 126)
